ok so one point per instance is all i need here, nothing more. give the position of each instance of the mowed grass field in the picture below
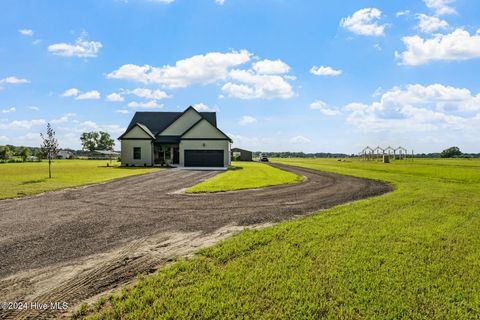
(246, 175)
(20, 179)
(410, 254)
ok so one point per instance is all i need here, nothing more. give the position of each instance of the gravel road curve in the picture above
(70, 245)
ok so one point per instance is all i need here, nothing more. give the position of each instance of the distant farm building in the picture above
(241, 154)
(65, 154)
(104, 155)
(384, 154)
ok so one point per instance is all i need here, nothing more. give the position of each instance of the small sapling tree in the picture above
(49, 147)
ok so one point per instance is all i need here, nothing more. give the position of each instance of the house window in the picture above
(137, 153)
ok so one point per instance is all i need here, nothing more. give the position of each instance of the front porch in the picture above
(166, 154)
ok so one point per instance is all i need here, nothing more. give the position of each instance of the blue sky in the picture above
(283, 75)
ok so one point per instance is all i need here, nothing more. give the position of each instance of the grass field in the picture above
(20, 179)
(246, 175)
(410, 254)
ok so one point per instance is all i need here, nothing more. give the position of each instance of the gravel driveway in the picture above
(69, 245)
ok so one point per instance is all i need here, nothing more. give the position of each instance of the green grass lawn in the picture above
(20, 179)
(246, 175)
(410, 254)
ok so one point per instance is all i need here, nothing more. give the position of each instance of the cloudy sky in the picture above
(282, 75)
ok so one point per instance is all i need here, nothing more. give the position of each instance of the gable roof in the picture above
(141, 126)
(199, 121)
(153, 123)
(144, 128)
(156, 122)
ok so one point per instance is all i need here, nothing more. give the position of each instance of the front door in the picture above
(158, 153)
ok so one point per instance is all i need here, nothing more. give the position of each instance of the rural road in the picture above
(70, 245)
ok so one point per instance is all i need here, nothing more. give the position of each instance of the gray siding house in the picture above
(189, 138)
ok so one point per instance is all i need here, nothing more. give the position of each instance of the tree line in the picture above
(49, 149)
(452, 152)
(90, 141)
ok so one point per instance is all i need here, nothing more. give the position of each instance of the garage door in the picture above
(203, 158)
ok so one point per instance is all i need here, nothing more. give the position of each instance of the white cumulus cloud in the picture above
(202, 69)
(115, 97)
(13, 80)
(72, 92)
(440, 7)
(458, 45)
(148, 104)
(26, 32)
(402, 13)
(325, 71)
(82, 48)
(430, 24)
(89, 95)
(149, 94)
(265, 79)
(250, 85)
(323, 108)
(365, 22)
(63, 119)
(271, 67)
(202, 107)
(22, 124)
(9, 110)
(418, 108)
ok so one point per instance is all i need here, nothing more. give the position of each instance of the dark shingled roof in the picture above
(156, 122)
(239, 150)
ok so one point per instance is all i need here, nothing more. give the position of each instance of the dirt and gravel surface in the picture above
(70, 245)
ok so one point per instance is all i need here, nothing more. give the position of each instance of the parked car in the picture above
(263, 158)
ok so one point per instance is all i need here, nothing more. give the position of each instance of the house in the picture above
(186, 139)
(241, 154)
(104, 155)
(65, 154)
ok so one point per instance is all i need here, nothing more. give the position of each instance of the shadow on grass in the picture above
(233, 168)
(34, 181)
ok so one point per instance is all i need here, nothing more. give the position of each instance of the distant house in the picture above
(104, 155)
(189, 138)
(241, 154)
(65, 154)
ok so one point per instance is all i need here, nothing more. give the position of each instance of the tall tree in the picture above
(5, 153)
(49, 147)
(24, 153)
(105, 142)
(92, 141)
(89, 140)
(451, 152)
